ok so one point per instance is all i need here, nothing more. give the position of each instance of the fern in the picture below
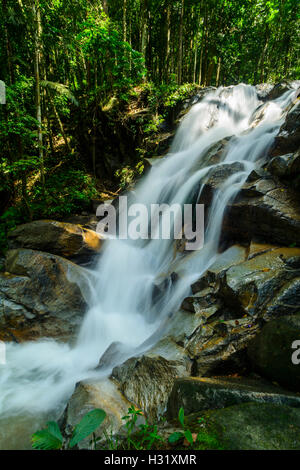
(60, 89)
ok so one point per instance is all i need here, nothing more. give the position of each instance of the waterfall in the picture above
(40, 376)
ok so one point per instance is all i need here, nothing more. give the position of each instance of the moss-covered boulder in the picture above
(253, 426)
(196, 394)
(271, 351)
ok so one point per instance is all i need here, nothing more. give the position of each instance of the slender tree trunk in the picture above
(261, 62)
(38, 32)
(218, 72)
(105, 6)
(180, 46)
(124, 20)
(203, 41)
(59, 122)
(8, 44)
(168, 38)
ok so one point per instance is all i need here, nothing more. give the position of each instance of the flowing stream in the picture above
(40, 376)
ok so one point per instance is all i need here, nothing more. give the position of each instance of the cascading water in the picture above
(39, 376)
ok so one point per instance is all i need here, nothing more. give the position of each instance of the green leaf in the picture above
(89, 423)
(188, 436)
(175, 437)
(54, 429)
(181, 416)
(48, 439)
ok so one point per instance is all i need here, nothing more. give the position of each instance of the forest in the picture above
(82, 74)
(150, 225)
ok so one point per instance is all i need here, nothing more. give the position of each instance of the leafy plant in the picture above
(180, 435)
(51, 438)
(201, 440)
(141, 437)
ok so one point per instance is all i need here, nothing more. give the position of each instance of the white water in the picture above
(40, 376)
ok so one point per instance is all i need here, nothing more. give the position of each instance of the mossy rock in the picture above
(251, 426)
(271, 351)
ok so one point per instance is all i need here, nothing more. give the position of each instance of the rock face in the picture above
(271, 351)
(285, 166)
(265, 209)
(60, 238)
(198, 394)
(147, 381)
(101, 394)
(288, 138)
(255, 426)
(215, 178)
(41, 295)
(228, 305)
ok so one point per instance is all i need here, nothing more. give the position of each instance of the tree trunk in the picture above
(179, 73)
(124, 20)
(218, 72)
(168, 38)
(38, 32)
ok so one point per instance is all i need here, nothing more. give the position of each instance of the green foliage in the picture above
(49, 438)
(120, 66)
(89, 423)
(201, 440)
(127, 175)
(8, 221)
(140, 437)
(89, 63)
(143, 436)
(52, 439)
(66, 192)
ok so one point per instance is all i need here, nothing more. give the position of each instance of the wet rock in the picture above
(220, 346)
(285, 166)
(60, 238)
(264, 209)
(86, 221)
(147, 381)
(264, 286)
(263, 90)
(101, 394)
(288, 138)
(271, 351)
(213, 155)
(216, 178)
(114, 354)
(253, 426)
(280, 88)
(198, 394)
(231, 301)
(41, 295)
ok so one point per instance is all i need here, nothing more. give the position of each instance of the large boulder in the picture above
(268, 91)
(271, 350)
(251, 426)
(41, 295)
(89, 395)
(288, 138)
(264, 209)
(147, 382)
(60, 238)
(266, 285)
(285, 166)
(197, 394)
